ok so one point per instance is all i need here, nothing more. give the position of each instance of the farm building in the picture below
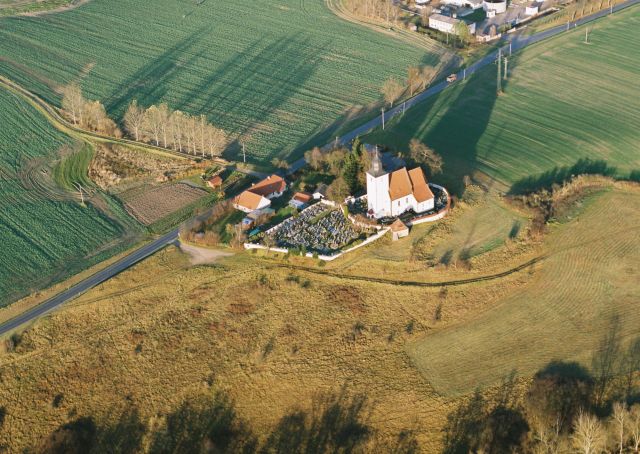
(257, 217)
(258, 196)
(398, 230)
(391, 194)
(448, 24)
(215, 182)
(300, 200)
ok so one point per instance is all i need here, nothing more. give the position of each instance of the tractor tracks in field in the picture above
(397, 282)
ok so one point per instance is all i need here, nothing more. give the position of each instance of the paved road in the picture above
(513, 42)
(516, 41)
(90, 282)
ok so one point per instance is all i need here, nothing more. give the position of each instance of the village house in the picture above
(391, 194)
(448, 24)
(320, 192)
(260, 194)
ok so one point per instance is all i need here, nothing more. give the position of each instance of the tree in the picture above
(422, 154)
(633, 427)
(413, 78)
(392, 90)
(462, 30)
(334, 160)
(153, 123)
(314, 157)
(427, 73)
(338, 190)
(96, 119)
(163, 120)
(177, 128)
(350, 172)
(73, 102)
(619, 424)
(216, 140)
(280, 163)
(133, 119)
(588, 435)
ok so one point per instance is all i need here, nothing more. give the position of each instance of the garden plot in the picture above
(320, 228)
(154, 204)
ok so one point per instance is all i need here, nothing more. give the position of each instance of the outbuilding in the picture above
(398, 230)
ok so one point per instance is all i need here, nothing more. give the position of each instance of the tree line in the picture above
(160, 125)
(418, 78)
(387, 10)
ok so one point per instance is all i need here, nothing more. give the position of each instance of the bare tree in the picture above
(427, 74)
(216, 140)
(133, 119)
(177, 123)
(314, 157)
(413, 78)
(633, 427)
(73, 102)
(163, 115)
(619, 424)
(153, 123)
(392, 90)
(422, 154)
(588, 434)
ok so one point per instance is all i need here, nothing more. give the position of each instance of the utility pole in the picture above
(244, 154)
(506, 61)
(586, 35)
(464, 73)
(382, 118)
(80, 191)
(499, 71)
(404, 107)
(509, 48)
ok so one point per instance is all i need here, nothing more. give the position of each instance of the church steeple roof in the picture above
(376, 169)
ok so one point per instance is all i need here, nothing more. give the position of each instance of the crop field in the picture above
(45, 231)
(275, 74)
(589, 277)
(149, 205)
(564, 101)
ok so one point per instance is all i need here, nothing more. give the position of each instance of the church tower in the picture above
(378, 200)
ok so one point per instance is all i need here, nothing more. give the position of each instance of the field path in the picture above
(516, 42)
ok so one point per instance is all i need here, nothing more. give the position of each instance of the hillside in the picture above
(275, 74)
(46, 233)
(564, 101)
(285, 342)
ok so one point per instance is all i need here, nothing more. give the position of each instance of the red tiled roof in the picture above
(302, 197)
(269, 185)
(248, 199)
(421, 189)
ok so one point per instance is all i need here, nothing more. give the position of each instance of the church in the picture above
(391, 194)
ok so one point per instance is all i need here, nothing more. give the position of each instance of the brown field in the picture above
(149, 205)
(291, 346)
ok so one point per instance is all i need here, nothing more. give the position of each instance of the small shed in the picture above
(215, 182)
(532, 9)
(398, 230)
(300, 200)
(320, 192)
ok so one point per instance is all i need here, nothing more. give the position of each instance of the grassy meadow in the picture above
(564, 101)
(588, 278)
(276, 74)
(286, 343)
(46, 233)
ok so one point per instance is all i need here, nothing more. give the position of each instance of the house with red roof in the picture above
(259, 195)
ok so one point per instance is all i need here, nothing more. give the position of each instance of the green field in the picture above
(564, 101)
(46, 233)
(276, 73)
(561, 313)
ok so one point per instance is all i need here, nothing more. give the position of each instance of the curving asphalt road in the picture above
(514, 42)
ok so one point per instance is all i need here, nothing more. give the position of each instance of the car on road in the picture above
(452, 78)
